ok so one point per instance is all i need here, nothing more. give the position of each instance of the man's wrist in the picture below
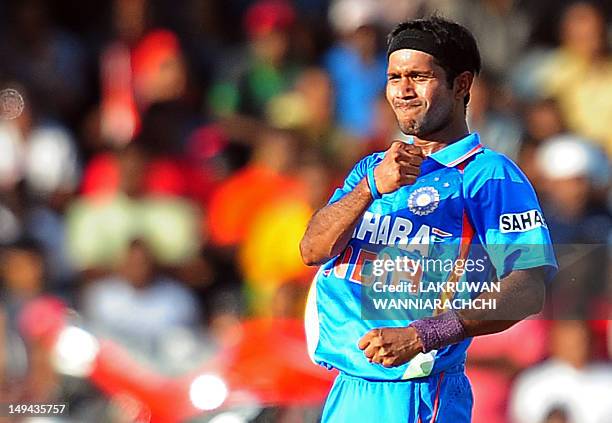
(371, 181)
(419, 340)
(437, 333)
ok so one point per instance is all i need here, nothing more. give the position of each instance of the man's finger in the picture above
(365, 340)
(384, 352)
(370, 351)
(397, 145)
(403, 156)
(376, 341)
(413, 149)
(407, 180)
(409, 160)
(377, 359)
(388, 361)
(410, 171)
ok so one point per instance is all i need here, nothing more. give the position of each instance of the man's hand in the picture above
(399, 167)
(391, 347)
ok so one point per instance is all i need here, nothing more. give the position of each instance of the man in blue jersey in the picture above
(444, 191)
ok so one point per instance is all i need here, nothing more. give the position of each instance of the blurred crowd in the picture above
(170, 155)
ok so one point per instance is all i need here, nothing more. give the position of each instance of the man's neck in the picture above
(438, 140)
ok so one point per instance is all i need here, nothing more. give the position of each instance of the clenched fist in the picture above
(391, 347)
(399, 167)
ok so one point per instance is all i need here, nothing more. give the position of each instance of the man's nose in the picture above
(407, 89)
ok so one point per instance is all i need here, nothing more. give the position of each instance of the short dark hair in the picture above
(458, 47)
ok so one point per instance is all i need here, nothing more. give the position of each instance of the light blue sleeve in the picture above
(355, 176)
(506, 215)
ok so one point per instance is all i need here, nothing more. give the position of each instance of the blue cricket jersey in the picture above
(468, 201)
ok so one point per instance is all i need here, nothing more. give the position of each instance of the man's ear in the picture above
(462, 84)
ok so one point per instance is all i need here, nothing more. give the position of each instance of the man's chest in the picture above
(430, 211)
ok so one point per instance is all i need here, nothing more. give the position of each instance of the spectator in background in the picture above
(46, 58)
(385, 126)
(568, 381)
(269, 71)
(26, 329)
(578, 74)
(498, 128)
(574, 178)
(38, 151)
(159, 70)
(492, 365)
(22, 275)
(356, 64)
(500, 26)
(119, 116)
(235, 203)
(574, 174)
(40, 155)
(122, 202)
(144, 79)
(138, 305)
(160, 81)
(269, 255)
(557, 415)
(290, 301)
(542, 120)
(309, 110)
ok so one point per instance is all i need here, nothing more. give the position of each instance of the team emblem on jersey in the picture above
(424, 201)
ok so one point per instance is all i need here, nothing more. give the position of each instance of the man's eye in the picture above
(420, 78)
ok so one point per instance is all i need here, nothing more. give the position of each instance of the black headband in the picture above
(414, 39)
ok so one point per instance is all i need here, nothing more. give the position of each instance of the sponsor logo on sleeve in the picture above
(521, 222)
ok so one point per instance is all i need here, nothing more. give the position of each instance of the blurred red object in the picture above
(119, 118)
(268, 15)
(165, 177)
(101, 175)
(42, 319)
(154, 49)
(270, 362)
(206, 142)
(267, 364)
(206, 170)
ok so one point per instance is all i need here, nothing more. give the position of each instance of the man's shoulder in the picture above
(368, 161)
(491, 165)
(374, 158)
(488, 160)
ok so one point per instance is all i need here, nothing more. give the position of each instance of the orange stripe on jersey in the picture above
(437, 400)
(467, 234)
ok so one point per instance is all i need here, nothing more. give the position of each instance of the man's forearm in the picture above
(521, 294)
(330, 229)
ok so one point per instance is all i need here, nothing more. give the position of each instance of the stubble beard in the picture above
(428, 124)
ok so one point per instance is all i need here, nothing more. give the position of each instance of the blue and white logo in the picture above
(424, 201)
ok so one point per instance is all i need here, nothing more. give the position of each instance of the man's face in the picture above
(418, 93)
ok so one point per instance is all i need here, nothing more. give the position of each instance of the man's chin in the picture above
(410, 129)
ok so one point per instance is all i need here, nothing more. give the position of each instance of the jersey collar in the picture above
(459, 151)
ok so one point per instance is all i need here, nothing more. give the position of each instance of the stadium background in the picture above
(154, 191)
